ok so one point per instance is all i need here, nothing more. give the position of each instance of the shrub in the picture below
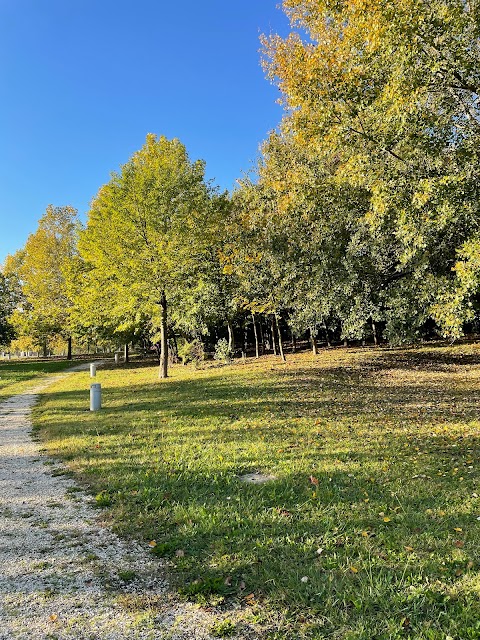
(222, 351)
(191, 351)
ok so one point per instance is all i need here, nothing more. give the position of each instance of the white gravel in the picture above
(60, 569)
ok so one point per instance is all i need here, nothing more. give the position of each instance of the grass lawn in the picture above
(17, 375)
(371, 527)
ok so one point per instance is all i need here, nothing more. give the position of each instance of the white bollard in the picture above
(95, 397)
(117, 358)
(93, 370)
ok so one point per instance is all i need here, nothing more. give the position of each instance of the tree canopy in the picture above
(362, 221)
(147, 232)
(39, 269)
(7, 305)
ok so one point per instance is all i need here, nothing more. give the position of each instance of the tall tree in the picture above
(7, 305)
(146, 231)
(42, 312)
(386, 94)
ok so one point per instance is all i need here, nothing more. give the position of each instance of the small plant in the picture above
(103, 499)
(164, 549)
(127, 575)
(191, 351)
(222, 351)
(223, 628)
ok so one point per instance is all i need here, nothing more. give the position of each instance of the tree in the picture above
(7, 304)
(43, 308)
(147, 230)
(385, 95)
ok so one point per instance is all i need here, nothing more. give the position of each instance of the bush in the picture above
(191, 351)
(222, 351)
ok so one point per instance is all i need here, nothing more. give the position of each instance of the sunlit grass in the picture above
(370, 529)
(17, 375)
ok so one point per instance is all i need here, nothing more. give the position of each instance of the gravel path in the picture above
(63, 575)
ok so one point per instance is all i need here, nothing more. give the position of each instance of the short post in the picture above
(93, 370)
(117, 358)
(95, 397)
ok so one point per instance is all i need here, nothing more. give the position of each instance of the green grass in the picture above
(17, 375)
(370, 529)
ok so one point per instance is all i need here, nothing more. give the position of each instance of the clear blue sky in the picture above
(83, 81)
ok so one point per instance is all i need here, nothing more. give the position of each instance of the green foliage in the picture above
(127, 575)
(38, 275)
(222, 351)
(7, 305)
(103, 499)
(362, 220)
(223, 628)
(147, 232)
(200, 590)
(375, 166)
(191, 351)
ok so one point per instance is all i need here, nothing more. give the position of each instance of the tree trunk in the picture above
(294, 342)
(274, 342)
(313, 341)
(327, 336)
(231, 338)
(375, 336)
(280, 342)
(163, 373)
(345, 342)
(125, 353)
(69, 348)
(257, 351)
(262, 339)
(45, 350)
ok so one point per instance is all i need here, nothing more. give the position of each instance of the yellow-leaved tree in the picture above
(43, 308)
(146, 233)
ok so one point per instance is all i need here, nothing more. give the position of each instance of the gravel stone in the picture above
(59, 566)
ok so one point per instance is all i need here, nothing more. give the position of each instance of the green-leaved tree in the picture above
(145, 235)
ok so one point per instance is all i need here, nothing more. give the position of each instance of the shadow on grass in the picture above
(370, 516)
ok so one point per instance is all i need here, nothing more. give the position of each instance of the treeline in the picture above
(362, 222)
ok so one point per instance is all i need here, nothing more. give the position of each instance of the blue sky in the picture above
(83, 81)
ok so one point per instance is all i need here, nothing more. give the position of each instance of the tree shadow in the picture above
(372, 471)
